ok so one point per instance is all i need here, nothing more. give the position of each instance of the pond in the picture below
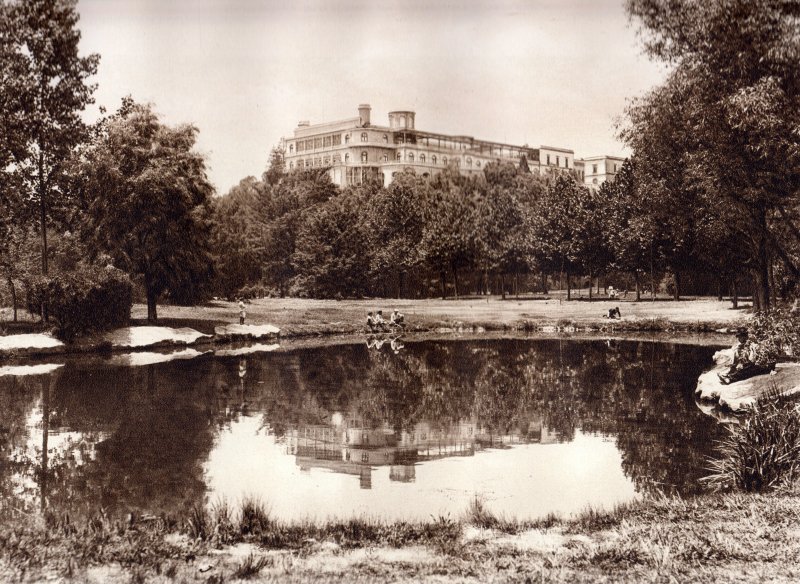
(529, 426)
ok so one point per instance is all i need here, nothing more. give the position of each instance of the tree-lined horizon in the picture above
(708, 202)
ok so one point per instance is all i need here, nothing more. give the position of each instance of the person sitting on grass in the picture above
(613, 313)
(396, 319)
(370, 322)
(749, 360)
(380, 324)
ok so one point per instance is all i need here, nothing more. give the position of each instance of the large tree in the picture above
(148, 202)
(43, 90)
(733, 102)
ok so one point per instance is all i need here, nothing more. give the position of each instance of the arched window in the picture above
(347, 138)
(364, 137)
(399, 156)
(444, 160)
(433, 159)
(478, 163)
(327, 160)
(385, 139)
(291, 148)
(422, 157)
(291, 165)
(347, 157)
(469, 161)
(411, 157)
(386, 158)
(364, 156)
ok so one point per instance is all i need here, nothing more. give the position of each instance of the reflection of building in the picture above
(353, 448)
(355, 150)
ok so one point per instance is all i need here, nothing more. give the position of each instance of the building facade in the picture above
(599, 169)
(355, 150)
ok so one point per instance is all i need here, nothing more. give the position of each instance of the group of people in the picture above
(377, 324)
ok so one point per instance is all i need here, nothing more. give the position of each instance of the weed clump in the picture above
(762, 452)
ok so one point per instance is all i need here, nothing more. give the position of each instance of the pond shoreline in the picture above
(302, 319)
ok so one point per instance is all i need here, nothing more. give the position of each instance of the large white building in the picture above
(355, 150)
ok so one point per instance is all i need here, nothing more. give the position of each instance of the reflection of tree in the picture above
(638, 392)
(138, 437)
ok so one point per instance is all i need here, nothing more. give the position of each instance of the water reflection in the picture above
(413, 431)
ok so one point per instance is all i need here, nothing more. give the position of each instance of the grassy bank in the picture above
(727, 538)
(296, 317)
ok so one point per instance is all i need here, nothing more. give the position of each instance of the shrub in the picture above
(761, 452)
(85, 300)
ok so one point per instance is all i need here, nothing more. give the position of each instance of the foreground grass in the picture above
(724, 538)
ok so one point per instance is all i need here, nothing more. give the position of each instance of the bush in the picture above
(85, 300)
(761, 452)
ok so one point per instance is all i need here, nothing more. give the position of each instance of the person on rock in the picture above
(746, 361)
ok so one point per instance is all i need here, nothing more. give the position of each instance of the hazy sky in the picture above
(541, 72)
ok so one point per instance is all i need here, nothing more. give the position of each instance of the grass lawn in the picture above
(296, 316)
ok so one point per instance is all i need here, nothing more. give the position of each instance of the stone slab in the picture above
(152, 336)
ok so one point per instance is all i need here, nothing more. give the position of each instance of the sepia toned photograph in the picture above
(362, 291)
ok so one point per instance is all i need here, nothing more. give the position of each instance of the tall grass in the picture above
(762, 452)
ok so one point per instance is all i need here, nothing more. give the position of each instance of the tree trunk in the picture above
(735, 298)
(677, 281)
(569, 286)
(652, 276)
(591, 281)
(455, 281)
(442, 282)
(719, 290)
(400, 282)
(762, 275)
(516, 283)
(544, 283)
(503, 285)
(13, 290)
(152, 297)
(638, 286)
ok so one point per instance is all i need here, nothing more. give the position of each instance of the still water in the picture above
(529, 426)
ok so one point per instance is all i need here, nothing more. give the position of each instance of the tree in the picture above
(332, 248)
(448, 238)
(555, 225)
(396, 222)
(734, 98)
(43, 90)
(148, 202)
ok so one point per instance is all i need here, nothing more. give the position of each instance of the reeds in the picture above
(762, 452)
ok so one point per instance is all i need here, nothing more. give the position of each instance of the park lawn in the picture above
(296, 316)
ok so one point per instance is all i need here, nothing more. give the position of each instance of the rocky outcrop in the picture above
(784, 380)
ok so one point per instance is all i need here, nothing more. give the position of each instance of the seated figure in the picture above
(396, 319)
(745, 360)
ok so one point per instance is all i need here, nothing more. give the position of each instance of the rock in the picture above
(31, 344)
(152, 336)
(236, 332)
(738, 396)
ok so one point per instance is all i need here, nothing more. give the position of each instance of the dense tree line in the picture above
(298, 234)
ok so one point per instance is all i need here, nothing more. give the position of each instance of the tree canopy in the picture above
(148, 202)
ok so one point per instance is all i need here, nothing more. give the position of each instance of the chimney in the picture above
(363, 113)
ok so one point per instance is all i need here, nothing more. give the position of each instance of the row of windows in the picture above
(327, 160)
(558, 161)
(337, 139)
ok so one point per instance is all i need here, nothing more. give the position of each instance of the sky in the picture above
(537, 72)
